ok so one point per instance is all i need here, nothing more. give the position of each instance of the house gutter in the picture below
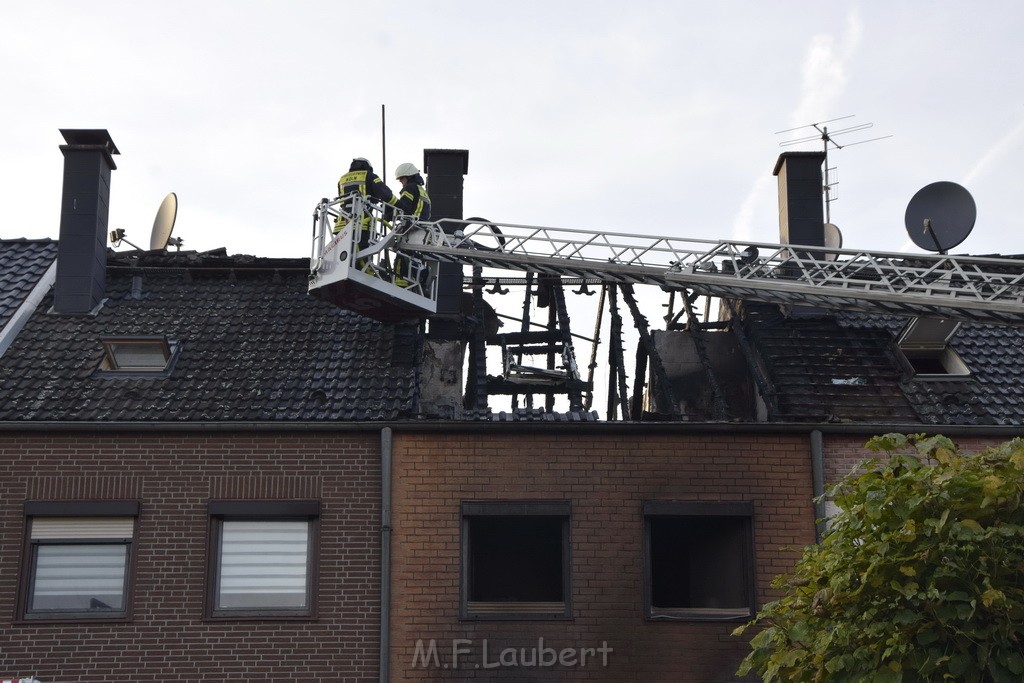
(818, 482)
(534, 427)
(385, 554)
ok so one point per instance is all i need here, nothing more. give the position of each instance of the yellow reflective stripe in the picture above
(350, 179)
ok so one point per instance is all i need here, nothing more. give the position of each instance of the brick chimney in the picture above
(801, 198)
(82, 249)
(446, 170)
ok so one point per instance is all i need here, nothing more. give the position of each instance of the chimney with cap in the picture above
(446, 170)
(801, 206)
(82, 248)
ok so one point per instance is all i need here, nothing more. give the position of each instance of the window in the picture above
(515, 560)
(78, 559)
(262, 558)
(145, 355)
(924, 343)
(700, 560)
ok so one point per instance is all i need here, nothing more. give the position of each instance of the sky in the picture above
(648, 117)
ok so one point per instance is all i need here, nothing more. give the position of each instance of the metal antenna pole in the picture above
(827, 139)
(827, 188)
(383, 143)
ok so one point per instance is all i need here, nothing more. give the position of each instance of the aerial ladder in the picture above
(367, 279)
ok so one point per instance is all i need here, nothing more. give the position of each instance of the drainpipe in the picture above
(385, 553)
(818, 483)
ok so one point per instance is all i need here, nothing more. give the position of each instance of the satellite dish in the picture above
(164, 222)
(833, 240)
(940, 216)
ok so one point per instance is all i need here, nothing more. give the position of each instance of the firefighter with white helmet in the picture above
(414, 202)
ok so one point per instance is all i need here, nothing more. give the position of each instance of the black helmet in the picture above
(360, 164)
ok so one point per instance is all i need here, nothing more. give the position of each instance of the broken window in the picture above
(515, 560)
(699, 560)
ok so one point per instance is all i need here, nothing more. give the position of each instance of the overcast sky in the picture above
(646, 117)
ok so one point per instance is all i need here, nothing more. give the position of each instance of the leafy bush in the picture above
(920, 576)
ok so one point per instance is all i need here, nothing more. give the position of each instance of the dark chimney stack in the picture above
(446, 169)
(801, 203)
(82, 249)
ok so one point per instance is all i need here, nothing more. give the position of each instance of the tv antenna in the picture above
(828, 138)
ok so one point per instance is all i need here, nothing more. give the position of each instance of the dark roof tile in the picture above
(253, 344)
(22, 263)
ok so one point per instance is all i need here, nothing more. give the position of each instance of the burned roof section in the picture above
(993, 392)
(251, 345)
(848, 367)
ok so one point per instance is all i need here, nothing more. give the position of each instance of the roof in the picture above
(254, 346)
(993, 394)
(846, 367)
(22, 264)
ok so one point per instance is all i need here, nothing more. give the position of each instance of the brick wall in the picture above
(843, 454)
(174, 475)
(606, 479)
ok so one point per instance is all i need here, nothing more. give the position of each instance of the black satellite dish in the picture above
(940, 216)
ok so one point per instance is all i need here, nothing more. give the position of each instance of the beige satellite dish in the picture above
(833, 240)
(163, 225)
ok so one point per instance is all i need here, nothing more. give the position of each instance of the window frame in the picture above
(111, 367)
(927, 339)
(71, 509)
(686, 509)
(506, 508)
(262, 510)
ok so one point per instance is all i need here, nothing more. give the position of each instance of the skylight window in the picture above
(924, 343)
(138, 354)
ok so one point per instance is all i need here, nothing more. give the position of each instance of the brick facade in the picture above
(606, 479)
(174, 475)
(843, 453)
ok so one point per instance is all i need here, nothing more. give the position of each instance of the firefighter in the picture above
(361, 180)
(413, 201)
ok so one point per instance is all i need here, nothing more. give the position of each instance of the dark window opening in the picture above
(942, 362)
(700, 566)
(516, 565)
(515, 559)
(927, 366)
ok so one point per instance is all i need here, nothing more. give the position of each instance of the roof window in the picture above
(924, 343)
(138, 354)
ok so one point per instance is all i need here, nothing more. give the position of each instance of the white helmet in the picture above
(406, 169)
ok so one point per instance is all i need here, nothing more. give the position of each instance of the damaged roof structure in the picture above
(298, 487)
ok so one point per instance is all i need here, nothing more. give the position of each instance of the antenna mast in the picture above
(827, 139)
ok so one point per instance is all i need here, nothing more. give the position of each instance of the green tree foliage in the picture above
(919, 578)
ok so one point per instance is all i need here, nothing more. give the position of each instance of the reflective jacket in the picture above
(366, 183)
(414, 202)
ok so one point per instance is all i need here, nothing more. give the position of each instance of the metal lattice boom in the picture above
(979, 289)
